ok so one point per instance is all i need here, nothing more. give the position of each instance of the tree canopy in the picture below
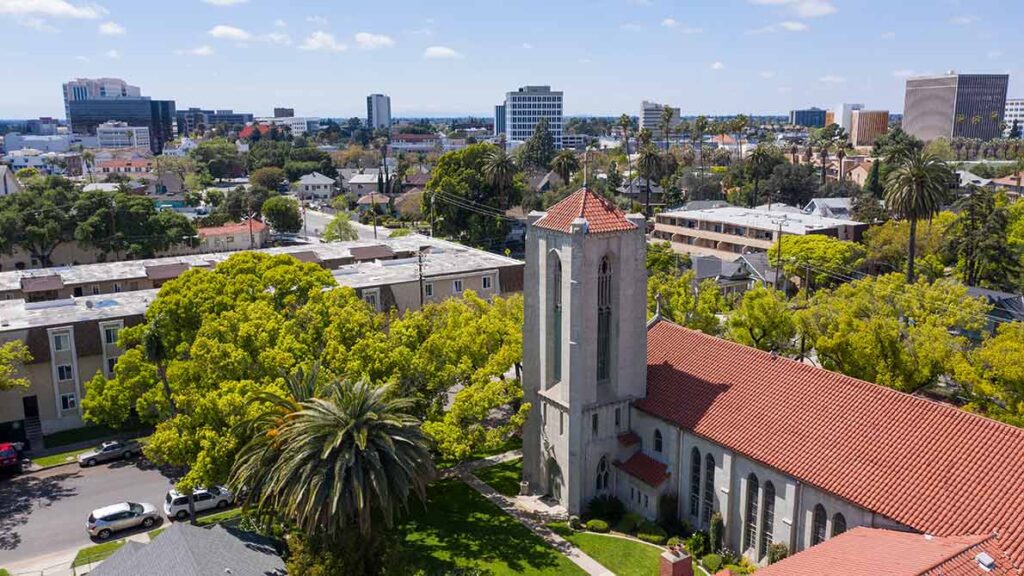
(824, 259)
(282, 212)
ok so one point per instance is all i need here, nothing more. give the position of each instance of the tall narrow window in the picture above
(750, 527)
(767, 519)
(709, 489)
(818, 526)
(618, 418)
(556, 319)
(602, 474)
(838, 524)
(657, 441)
(695, 482)
(604, 320)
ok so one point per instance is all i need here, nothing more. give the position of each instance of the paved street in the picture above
(45, 512)
(316, 222)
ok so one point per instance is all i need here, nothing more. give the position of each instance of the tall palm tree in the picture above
(338, 464)
(625, 123)
(739, 125)
(762, 159)
(698, 128)
(823, 156)
(665, 123)
(649, 166)
(500, 170)
(565, 164)
(915, 189)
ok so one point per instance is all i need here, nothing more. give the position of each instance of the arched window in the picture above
(604, 320)
(750, 527)
(709, 489)
(657, 441)
(838, 524)
(818, 527)
(555, 291)
(695, 482)
(767, 518)
(602, 474)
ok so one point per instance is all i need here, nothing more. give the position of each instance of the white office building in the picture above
(299, 126)
(1014, 111)
(121, 135)
(844, 115)
(526, 106)
(50, 143)
(378, 112)
(650, 118)
(97, 89)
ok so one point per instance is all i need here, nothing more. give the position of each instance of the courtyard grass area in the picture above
(621, 556)
(512, 443)
(460, 531)
(504, 477)
(59, 458)
(218, 517)
(88, 433)
(96, 553)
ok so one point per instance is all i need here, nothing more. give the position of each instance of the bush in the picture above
(574, 522)
(651, 532)
(629, 523)
(697, 544)
(607, 508)
(674, 541)
(715, 532)
(597, 525)
(777, 551)
(712, 562)
(668, 516)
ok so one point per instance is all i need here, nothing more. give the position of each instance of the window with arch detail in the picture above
(750, 525)
(658, 446)
(838, 524)
(695, 482)
(602, 474)
(818, 525)
(555, 290)
(767, 518)
(709, 489)
(604, 320)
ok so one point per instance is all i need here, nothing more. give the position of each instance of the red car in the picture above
(10, 457)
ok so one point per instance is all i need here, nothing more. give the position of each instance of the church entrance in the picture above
(554, 480)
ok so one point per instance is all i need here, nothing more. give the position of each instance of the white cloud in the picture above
(790, 26)
(766, 74)
(888, 35)
(527, 46)
(585, 61)
(280, 23)
(995, 54)
(113, 54)
(225, 2)
(277, 38)
(963, 20)
(441, 53)
(425, 31)
(670, 23)
(318, 20)
(225, 32)
(321, 41)
(368, 41)
(204, 50)
(717, 66)
(802, 8)
(51, 9)
(831, 79)
(111, 29)
(82, 58)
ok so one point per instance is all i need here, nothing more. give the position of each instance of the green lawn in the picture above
(460, 531)
(96, 553)
(155, 533)
(621, 556)
(218, 517)
(504, 477)
(86, 433)
(513, 443)
(59, 458)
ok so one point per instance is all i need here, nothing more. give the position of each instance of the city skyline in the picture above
(741, 56)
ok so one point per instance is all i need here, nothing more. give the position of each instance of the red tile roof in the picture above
(930, 466)
(644, 468)
(1011, 180)
(232, 228)
(123, 163)
(629, 438)
(872, 552)
(247, 131)
(599, 212)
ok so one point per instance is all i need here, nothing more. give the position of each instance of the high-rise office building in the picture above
(866, 126)
(499, 120)
(650, 118)
(189, 120)
(97, 89)
(955, 106)
(809, 118)
(284, 112)
(157, 115)
(378, 112)
(526, 106)
(844, 115)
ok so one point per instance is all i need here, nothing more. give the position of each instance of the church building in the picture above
(660, 415)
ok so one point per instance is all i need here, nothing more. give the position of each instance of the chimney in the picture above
(675, 562)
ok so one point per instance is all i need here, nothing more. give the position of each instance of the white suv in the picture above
(176, 503)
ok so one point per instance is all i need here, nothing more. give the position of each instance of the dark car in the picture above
(10, 457)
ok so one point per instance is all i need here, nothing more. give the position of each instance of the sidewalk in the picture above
(60, 563)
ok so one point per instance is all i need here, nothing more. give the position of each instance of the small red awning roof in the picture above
(645, 469)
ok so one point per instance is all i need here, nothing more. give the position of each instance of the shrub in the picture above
(777, 551)
(697, 544)
(712, 562)
(674, 541)
(597, 525)
(607, 508)
(668, 508)
(574, 522)
(715, 532)
(629, 523)
(651, 532)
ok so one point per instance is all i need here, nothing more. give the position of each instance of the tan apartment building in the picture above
(866, 126)
(732, 231)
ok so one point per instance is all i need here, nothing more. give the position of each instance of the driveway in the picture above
(45, 512)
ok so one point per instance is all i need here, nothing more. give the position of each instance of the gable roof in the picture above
(601, 215)
(870, 445)
(316, 178)
(871, 551)
(645, 469)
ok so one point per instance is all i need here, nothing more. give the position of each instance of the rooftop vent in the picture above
(986, 562)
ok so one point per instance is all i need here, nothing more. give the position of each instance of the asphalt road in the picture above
(315, 223)
(45, 512)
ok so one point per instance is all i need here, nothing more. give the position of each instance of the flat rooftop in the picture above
(21, 315)
(442, 260)
(792, 222)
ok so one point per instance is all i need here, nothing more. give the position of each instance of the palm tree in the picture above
(761, 162)
(625, 123)
(698, 128)
(339, 464)
(914, 190)
(88, 159)
(500, 170)
(823, 156)
(739, 126)
(649, 166)
(565, 164)
(666, 123)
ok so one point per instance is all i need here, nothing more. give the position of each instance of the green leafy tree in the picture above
(792, 184)
(894, 143)
(340, 229)
(823, 259)
(500, 169)
(269, 177)
(886, 244)
(565, 164)
(684, 302)
(994, 375)
(282, 212)
(662, 259)
(760, 167)
(978, 239)
(539, 148)
(915, 190)
(219, 158)
(649, 167)
(763, 319)
(13, 357)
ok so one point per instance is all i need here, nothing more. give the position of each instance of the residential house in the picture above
(839, 208)
(315, 186)
(364, 183)
(1013, 184)
(233, 236)
(124, 166)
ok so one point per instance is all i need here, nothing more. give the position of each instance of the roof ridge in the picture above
(965, 548)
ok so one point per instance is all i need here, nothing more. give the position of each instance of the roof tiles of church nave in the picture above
(933, 467)
(600, 213)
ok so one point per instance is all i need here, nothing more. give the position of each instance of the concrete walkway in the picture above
(508, 505)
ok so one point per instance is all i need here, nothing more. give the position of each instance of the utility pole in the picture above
(419, 259)
(778, 256)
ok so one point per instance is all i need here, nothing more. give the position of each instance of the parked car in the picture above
(110, 450)
(105, 521)
(176, 503)
(10, 457)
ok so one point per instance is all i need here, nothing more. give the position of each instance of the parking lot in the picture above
(46, 512)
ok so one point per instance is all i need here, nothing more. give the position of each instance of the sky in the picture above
(459, 57)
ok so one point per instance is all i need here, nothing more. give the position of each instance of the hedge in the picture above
(597, 525)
